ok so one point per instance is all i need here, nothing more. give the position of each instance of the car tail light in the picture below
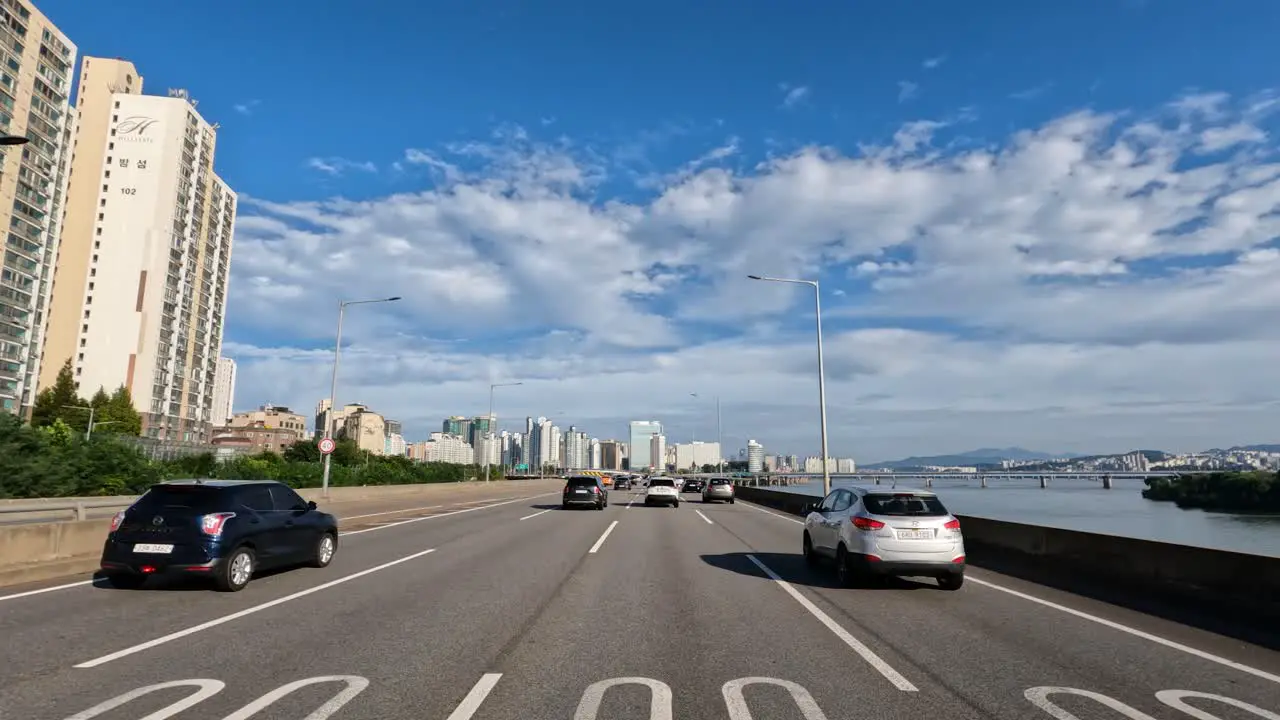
(213, 523)
(867, 523)
(959, 560)
(116, 521)
(953, 524)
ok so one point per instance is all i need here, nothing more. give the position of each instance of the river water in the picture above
(1078, 504)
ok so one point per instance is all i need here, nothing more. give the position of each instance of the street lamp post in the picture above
(719, 438)
(333, 384)
(822, 379)
(87, 433)
(491, 435)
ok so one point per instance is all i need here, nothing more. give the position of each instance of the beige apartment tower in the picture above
(155, 291)
(100, 78)
(36, 65)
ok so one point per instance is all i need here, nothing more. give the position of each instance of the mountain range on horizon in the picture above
(994, 456)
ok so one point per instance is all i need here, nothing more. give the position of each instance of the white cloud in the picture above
(1098, 283)
(907, 90)
(247, 108)
(933, 62)
(336, 166)
(793, 95)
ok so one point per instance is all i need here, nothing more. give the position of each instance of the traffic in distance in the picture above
(508, 608)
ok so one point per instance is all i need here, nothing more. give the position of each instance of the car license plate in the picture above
(153, 548)
(915, 534)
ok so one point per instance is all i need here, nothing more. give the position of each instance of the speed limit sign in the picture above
(327, 445)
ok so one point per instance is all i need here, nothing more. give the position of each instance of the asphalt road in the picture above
(524, 611)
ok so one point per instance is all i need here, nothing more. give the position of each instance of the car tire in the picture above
(730, 501)
(954, 581)
(124, 581)
(326, 548)
(564, 506)
(844, 571)
(675, 504)
(810, 557)
(232, 575)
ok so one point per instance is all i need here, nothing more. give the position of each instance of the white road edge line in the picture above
(440, 515)
(596, 547)
(526, 517)
(1101, 621)
(392, 512)
(1132, 631)
(41, 591)
(247, 611)
(865, 652)
(704, 517)
(770, 512)
(471, 703)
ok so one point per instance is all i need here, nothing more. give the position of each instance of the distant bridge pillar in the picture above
(877, 481)
(1106, 481)
(983, 478)
(928, 482)
(1044, 481)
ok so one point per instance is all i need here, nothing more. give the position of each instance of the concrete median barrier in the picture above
(1155, 577)
(35, 551)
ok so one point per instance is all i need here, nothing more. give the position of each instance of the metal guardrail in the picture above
(78, 507)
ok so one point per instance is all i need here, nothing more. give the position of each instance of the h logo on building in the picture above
(135, 126)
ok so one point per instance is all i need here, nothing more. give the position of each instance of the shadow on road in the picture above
(793, 569)
(545, 506)
(183, 583)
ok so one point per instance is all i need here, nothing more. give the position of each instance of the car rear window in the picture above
(581, 482)
(662, 483)
(719, 481)
(198, 498)
(904, 504)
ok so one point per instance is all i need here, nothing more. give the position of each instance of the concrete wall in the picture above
(1155, 569)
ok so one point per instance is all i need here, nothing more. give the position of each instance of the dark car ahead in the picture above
(694, 486)
(225, 530)
(584, 491)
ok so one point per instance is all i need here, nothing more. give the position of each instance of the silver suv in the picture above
(872, 532)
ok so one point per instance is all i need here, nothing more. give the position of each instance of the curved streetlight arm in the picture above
(822, 380)
(491, 434)
(333, 383)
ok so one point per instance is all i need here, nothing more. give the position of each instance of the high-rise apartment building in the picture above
(658, 452)
(100, 78)
(155, 294)
(612, 454)
(641, 431)
(224, 392)
(35, 102)
(755, 457)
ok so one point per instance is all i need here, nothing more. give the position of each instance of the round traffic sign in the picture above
(327, 445)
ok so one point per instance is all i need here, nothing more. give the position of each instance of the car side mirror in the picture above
(810, 507)
(311, 505)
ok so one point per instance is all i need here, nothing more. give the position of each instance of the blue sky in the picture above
(600, 110)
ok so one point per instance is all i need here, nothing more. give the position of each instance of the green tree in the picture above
(302, 451)
(118, 410)
(52, 402)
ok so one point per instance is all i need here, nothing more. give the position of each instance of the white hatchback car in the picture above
(874, 532)
(662, 491)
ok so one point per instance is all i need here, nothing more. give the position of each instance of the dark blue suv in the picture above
(224, 530)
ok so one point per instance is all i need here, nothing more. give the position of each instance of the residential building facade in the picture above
(155, 294)
(224, 392)
(35, 102)
(100, 79)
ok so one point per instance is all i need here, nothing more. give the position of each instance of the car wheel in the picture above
(234, 574)
(675, 504)
(951, 582)
(325, 549)
(844, 573)
(564, 506)
(730, 501)
(125, 581)
(809, 556)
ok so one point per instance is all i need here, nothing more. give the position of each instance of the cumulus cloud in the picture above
(1102, 282)
(335, 166)
(793, 95)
